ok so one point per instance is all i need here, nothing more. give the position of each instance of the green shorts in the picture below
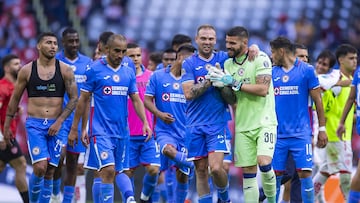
(250, 144)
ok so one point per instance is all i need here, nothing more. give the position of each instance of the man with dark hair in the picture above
(351, 59)
(249, 86)
(294, 81)
(170, 114)
(75, 173)
(142, 149)
(179, 40)
(46, 81)
(11, 154)
(338, 154)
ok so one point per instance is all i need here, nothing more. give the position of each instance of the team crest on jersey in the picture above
(285, 78)
(200, 79)
(241, 71)
(14, 150)
(165, 97)
(116, 78)
(36, 151)
(107, 90)
(73, 67)
(176, 86)
(104, 155)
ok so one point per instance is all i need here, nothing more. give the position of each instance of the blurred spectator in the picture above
(285, 27)
(331, 36)
(354, 33)
(304, 31)
(155, 58)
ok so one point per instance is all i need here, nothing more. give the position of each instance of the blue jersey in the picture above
(209, 108)
(110, 88)
(79, 67)
(169, 97)
(292, 90)
(356, 83)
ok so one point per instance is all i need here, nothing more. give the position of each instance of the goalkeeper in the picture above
(255, 138)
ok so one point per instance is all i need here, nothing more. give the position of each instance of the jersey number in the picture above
(269, 137)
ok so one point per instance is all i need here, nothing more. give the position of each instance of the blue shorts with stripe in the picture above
(41, 145)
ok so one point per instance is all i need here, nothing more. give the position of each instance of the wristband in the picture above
(322, 129)
(236, 85)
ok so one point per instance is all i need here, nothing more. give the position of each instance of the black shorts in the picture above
(11, 152)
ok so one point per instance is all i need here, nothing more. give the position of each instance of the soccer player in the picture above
(206, 112)
(338, 156)
(75, 173)
(126, 61)
(354, 194)
(46, 81)
(110, 82)
(165, 90)
(294, 81)
(179, 40)
(168, 57)
(252, 92)
(142, 148)
(11, 154)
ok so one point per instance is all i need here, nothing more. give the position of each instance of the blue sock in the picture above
(170, 184)
(46, 191)
(307, 190)
(354, 197)
(35, 186)
(181, 157)
(223, 193)
(155, 197)
(96, 190)
(278, 185)
(149, 183)
(163, 192)
(181, 191)
(107, 192)
(218, 191)
(68, 193)
(206, 198)
(56, 186)
(124, 184)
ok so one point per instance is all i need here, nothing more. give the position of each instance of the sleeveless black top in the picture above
(36, 87)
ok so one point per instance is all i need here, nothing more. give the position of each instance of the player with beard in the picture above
(46, 81)
(12, 154)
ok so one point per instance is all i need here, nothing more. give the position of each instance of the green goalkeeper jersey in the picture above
(252, 111)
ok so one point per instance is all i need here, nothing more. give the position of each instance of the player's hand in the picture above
(54, 128)
(340, 132)
(147, 132)
(8, 136)
(73, 137)
(253, 52)
(322, 139)
(85, 138)
(166, 117)
(218, 76)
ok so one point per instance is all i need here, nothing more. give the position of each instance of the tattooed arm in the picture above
(228, 95)
(71, 90)
(193, 91)
(261, 88)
